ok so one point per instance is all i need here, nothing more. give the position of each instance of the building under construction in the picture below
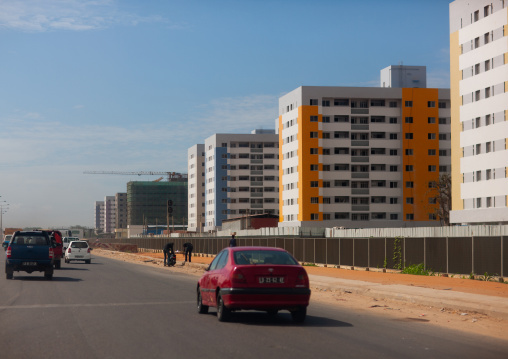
(147, 202)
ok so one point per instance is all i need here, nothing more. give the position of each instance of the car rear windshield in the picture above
(79, 245)
(247, 257)
(32, 239)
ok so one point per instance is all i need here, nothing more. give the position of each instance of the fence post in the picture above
(424, 253)
(472, 254)
(447, 256)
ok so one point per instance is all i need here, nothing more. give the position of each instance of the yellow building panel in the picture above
(306, 160)
(281, 172)
(456, 126)
(421, 135)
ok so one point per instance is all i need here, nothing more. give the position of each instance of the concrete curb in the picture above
(459, 301)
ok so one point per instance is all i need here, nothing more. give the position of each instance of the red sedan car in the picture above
(254, 278)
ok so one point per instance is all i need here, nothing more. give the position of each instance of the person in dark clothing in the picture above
(187, 248)
(168, 250)
(232, 241)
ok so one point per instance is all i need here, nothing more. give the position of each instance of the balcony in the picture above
(256, 150)
(359, 111)
(360, 207)
(256, 194)
(359, 174)
(360, 127)
(256, 183)
(360, 191)
(256, 205)
(256, 161)
(359, 158)
(359, 142)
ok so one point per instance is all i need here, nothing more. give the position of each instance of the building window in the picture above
(394, 200)
(487, 92)
(432, 168)
(314, 216)
(393, 120)
(443, 169)
(325, 103)
(313, 102)
(314, 183)
(431, 152)
(313, 118)
(394, 168)
(408, 103)
(314, 167)
(410, 216)
(393, 152)
(442, 121)
(326, 119)
(393, 136)
(432, 217)
(409, 200)
(442, 137)
(341, 102)
(314, 151)
(409, 184)
(442, 153)
(409, 136)
(431, 136)
(393, 104)
(314, 135)
(314, 200)
(409, 120)
(394, 216)
(409, 152)
(409, 168)
(394, 185)
(431, 120)
(441, 104)
(431, 104)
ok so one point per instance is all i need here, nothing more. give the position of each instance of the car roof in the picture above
(256, 248)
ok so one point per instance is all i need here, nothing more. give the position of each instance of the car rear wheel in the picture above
(202, 309)
(223, 313)
(299, 315)
(48, 274)
(9, 273)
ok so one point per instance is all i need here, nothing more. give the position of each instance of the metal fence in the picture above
(460, 255)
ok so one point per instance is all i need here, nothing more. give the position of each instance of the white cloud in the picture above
(74, 15)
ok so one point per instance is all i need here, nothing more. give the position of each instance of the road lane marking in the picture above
(80, 305)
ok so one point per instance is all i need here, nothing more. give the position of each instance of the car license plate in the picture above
(271, 279)
(79, 256)
(29, 263)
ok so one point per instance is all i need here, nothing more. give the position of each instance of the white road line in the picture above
(75, 305)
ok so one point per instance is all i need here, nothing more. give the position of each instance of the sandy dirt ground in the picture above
(470, 322)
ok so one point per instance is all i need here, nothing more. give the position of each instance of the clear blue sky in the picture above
(130, 85)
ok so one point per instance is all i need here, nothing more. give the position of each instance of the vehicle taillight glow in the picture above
(51, 253)
(302, 279)
(69, 249)
(237, 276)
(88, 250)
(8, 252)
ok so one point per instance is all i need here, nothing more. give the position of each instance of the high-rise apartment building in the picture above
(196, 175)
(362, 157)
(109, 214)
(240, 176)
(121, 210)
(99, 216)
(479, 97)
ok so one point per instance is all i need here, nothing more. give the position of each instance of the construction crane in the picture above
(172, 176)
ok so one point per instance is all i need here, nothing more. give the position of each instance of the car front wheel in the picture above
(223, 313)
(202, 309)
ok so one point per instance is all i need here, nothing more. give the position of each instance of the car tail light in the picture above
(238, 277)
(8, 252)
(302, 279)
(51, 253)
(88, 250)
(69, 249)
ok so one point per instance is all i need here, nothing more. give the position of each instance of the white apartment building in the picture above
(109, 214)
(99, 216)
(196, 188)
(479, 97)
(241, 177)
(362, 157)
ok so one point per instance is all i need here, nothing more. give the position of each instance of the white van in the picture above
(67, 240)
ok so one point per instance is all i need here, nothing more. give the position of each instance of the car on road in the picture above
(30, 251)
(78, 251)
(67, 240)
(7, 239)
(254, 278)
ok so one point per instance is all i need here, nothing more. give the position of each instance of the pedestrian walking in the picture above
(187, 248)
(232, 241)
(168, 251)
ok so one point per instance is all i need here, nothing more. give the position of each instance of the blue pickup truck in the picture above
(30, 251)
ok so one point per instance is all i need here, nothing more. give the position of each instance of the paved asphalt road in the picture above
(114, 309)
